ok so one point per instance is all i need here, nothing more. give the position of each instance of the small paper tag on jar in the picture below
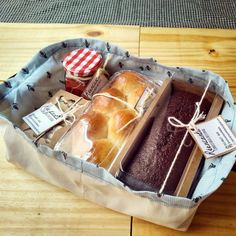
(99, 80)
(44, 118)
(214, 137)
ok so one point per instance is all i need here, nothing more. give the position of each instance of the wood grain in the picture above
(29, 206)
(208, 49)
(193, 48)
(216, 216)
(19, 42)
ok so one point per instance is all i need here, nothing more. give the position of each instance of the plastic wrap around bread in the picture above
(102, 130)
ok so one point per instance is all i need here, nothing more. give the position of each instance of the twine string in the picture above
(138, 114)
(69, 113)
(197, 116)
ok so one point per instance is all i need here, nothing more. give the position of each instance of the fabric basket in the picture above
(43, 76)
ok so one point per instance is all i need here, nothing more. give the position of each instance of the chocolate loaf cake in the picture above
(149, 166)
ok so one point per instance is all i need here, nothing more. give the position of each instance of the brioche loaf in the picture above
(131, 84)
(119, 127)
(102, 152)
(95, 124)
(108, 105)
(102, 130)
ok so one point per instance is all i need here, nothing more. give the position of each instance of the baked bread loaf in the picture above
(94, 124)
(102, 130)
(119, 125)
(107, 104)
(131, 84)
(102, 152)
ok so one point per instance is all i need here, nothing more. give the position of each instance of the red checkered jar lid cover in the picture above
(82, 62)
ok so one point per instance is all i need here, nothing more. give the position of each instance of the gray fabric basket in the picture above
(43, 76)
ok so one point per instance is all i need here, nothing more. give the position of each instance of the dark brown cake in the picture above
(153, 159)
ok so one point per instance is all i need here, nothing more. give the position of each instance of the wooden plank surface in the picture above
(191, 47)
(200, 48)
(29, 206)
(20, 42)
(216, 216)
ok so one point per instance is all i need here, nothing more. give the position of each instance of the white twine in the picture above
(115, 98)
(128, 123)
(109, 56)
(69, 111)
(197, 116)
(138, 114)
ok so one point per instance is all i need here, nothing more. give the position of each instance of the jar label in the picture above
(99, 80)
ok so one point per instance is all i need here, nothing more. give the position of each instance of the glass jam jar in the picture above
(80, 65)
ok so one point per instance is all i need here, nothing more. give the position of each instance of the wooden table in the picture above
(29, 206)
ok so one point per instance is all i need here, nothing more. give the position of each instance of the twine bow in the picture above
(69, 113)
(197, 116)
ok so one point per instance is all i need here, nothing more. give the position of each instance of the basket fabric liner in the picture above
(43, 76)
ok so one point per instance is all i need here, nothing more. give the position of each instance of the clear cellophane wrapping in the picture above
(101, 132)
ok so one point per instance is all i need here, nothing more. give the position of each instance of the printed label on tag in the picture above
(214, 137)
(44, 118)
(99, 80)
